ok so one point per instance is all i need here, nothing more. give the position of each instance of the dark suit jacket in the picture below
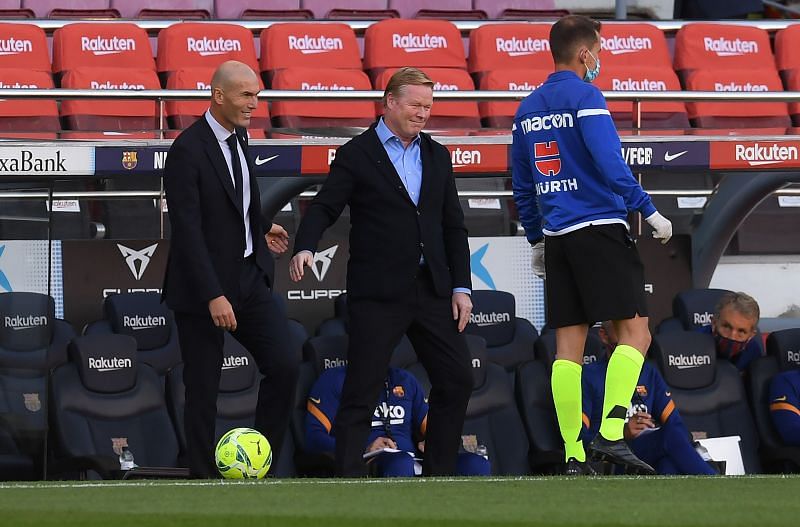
(388, 232)
(205, 258)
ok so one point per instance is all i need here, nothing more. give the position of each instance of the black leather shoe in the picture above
(618, 452)
(578, 468)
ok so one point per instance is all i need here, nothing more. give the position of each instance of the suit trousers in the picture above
(376, 328)
(262, 329)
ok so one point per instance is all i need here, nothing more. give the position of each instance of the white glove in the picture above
(537, 259)
(662, 227)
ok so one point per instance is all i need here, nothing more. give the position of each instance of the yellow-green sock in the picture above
(566, 385)
(624, 368)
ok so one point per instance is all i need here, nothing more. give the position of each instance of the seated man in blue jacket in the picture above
(734, 328)
(784, 406)
(654, 429)
(399, 420)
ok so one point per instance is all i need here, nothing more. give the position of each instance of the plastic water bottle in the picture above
(126, 459)
(481, 450)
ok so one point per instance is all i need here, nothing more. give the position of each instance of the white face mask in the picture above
(592, 74)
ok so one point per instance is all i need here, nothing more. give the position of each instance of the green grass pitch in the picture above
(644, 502)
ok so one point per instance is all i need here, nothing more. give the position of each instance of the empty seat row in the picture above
(236, 9)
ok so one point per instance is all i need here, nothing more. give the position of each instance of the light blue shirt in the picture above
(407, 162)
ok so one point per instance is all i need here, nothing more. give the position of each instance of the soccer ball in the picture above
(243, 453)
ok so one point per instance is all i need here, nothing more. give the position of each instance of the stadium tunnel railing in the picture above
(360, 26)
(162, 96)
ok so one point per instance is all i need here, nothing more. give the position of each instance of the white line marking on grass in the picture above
(364, 481)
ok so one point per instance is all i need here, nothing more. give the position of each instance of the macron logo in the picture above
(308, 45)
(103, 364)
(683, 362)
(12, 46)
(207, 47)
(412, 43)
(100, 46)
(730, 48)
(617, 45)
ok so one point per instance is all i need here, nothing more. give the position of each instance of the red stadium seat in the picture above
(30, 115)
(23, 46)
(509, 46)
(309, 46)
(133, 8)
(43, 8)
(276, 14)
(184, 113)
(737, 114)
(455, 14)
(449, 9)
(110, 114)
(195, 44)
(787, 45)
(362, 14)
(497, 8)
(233, 9)
(82, 14)
(498, 114)
(722, 47)
(354, 8)
(793, 84)
(183, 14)
(305, 114)
(444, 114)
(396, 43)
(16, 14)
(634, 44)
(113, 45)
(635, 77)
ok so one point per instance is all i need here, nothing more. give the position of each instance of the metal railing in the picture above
(360, 26)
(162, 96)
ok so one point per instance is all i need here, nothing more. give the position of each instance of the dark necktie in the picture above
(237, 171)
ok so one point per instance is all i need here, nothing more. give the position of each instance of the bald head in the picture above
(234, 94)
(231, 72)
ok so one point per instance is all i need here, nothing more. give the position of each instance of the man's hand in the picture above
(298, 263)
(537, 259)
(662, 227)
(381, 442)
(222, 313)
(637, 424)
(462, 307)
(277, 239)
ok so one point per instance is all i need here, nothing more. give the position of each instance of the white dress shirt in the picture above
(222, 135)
